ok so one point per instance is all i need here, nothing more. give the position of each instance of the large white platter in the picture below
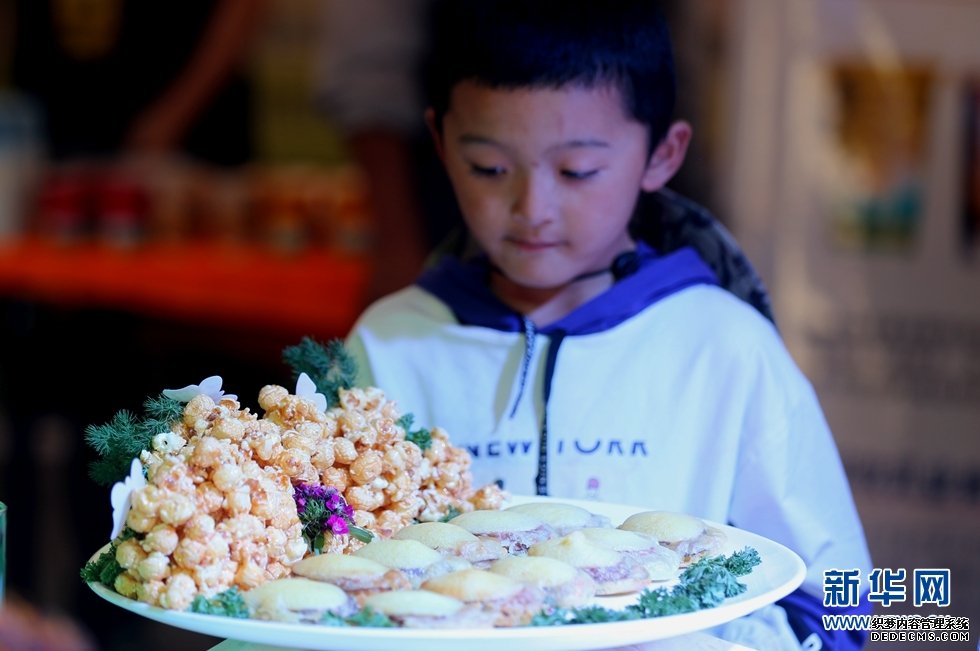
(780, 572)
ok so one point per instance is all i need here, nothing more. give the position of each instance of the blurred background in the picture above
(188, 187)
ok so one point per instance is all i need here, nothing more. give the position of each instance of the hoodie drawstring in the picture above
(529, 334)
(555, 339)
(541, 480)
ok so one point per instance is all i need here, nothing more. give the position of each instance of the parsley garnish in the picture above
(420, 437)
(106, 568)
(583, 615)
(366, 618)
(704, 584)
(330, 366)
(451, 513)
(229, 603)
(743, 562)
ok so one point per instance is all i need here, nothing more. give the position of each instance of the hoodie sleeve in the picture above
(790, 486)
(805, 614)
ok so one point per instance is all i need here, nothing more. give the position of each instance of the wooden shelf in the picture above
(312, 292)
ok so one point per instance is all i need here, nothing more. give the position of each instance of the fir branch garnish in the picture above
(229, 603)
(329, 365)
(161, 413)
(365, 617)
(420, 437)
(106, 568)
(124, 437)
(704, 584)
(322, 511)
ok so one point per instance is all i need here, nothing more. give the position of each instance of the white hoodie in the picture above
(666, 392)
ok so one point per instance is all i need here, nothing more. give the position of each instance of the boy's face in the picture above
(546, 179)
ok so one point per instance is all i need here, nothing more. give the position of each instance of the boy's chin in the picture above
(545, 283)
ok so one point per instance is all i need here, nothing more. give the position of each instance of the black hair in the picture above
(554, 43)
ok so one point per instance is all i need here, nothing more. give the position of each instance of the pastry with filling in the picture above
(415, 560)
(660, 562)
(515, 531)
(508, 601)
(357, 576)
(613, 572)
(564, 586)
(453, 540)
(563, 518)
(687, 535)
(426, 609)
(297, 600)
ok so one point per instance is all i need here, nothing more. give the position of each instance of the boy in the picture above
(570, 356)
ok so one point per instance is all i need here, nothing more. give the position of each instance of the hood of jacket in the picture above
(463, 286)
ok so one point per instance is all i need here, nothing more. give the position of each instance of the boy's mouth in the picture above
(531, 245)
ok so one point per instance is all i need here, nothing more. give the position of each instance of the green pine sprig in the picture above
(330, 366)
(124, 437)
(162, 412)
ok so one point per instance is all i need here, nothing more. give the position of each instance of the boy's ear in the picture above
(430, 122)
(667, 158)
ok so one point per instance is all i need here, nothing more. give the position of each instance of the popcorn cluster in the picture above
(218, 508)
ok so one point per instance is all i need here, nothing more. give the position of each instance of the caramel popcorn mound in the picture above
(218, 508)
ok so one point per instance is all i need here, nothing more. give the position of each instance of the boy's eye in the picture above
(578, 175)
(486, 170)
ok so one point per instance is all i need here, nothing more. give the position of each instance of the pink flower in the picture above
(337, 525)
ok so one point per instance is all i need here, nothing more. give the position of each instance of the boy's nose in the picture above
(532, 200)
